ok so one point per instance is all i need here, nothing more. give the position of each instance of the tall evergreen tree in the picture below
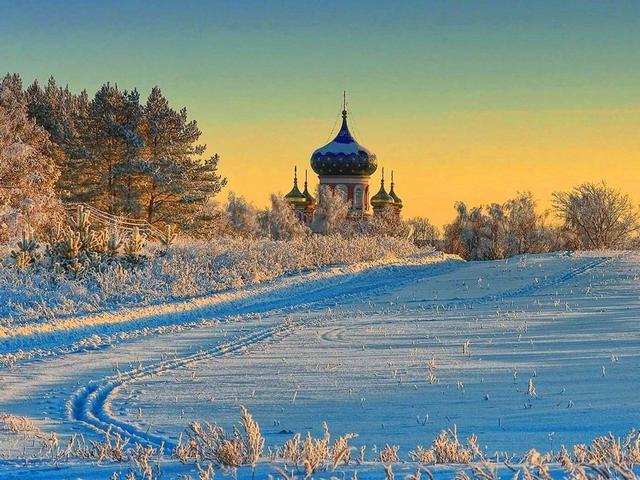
(59, 112)
(176, 180)
(127, 158)
(109, 135)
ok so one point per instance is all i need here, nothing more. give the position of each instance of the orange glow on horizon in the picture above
(475, 157)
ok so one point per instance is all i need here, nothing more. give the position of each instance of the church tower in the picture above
(346, 166)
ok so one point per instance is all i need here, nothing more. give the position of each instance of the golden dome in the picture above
(295, 196)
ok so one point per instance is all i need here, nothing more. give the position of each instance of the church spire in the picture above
(381, 198)
(344, 104)
(396, 199)
(295, 195)
(310, 199)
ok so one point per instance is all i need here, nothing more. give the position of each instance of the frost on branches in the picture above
(331, 215)
(28, 173)
(281, 222)
(597, 216)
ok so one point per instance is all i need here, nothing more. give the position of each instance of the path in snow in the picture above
(555, 319)
(53, 390)
(362, 367)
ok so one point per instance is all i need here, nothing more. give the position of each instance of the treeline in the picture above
(143, 159)
(239, 218)
(124, 155)
(592, 216)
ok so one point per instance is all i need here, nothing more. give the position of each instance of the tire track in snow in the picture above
(68, 335)
(89, 404)
(529, 289)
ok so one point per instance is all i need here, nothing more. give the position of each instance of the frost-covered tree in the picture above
(280, 221)
(28, 172)
(478, 233)
(60, 112)
(242, 216)
(597, 215)
(498, 230)
(175, 180)
(423, 232)
(331, 215)
(527, 229)
(386, 223)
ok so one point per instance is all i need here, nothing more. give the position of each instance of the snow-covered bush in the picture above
(386, 223)
(423, 232)
(242, 216)
(331, 215)
(189, 268)
(280, 222)
(498, 231)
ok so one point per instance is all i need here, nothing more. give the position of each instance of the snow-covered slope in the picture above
(395, 353)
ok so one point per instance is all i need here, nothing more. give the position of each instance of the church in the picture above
(346, 167)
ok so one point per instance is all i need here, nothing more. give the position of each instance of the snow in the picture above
(377, 349)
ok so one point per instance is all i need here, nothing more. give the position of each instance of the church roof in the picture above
(344, 155)
(295, 195)
(382, 197)
(310, 198)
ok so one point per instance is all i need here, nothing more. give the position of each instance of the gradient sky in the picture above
(465, 100)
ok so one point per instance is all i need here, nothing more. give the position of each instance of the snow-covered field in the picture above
(394, 351)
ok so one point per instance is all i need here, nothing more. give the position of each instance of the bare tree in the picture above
(597, 215)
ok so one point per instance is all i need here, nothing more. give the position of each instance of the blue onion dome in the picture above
(381, 198)
(343, 155)
(396, 199)
(295, 196)
(310, 199)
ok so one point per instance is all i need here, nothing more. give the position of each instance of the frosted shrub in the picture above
(212, 443)
(112, 449)
(389, 454)
(17, 424)
(170, 235)
(134, 245)
(114, 243)
(446, 448)
(26, 255)
(190, 268)
(254, 441)
(314, 454)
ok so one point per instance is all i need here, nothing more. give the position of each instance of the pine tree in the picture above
(109, 135)
(60, 112)
(27, 170)
(176, 181)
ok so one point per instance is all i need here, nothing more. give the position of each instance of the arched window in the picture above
(342, 191)
(358, 198)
